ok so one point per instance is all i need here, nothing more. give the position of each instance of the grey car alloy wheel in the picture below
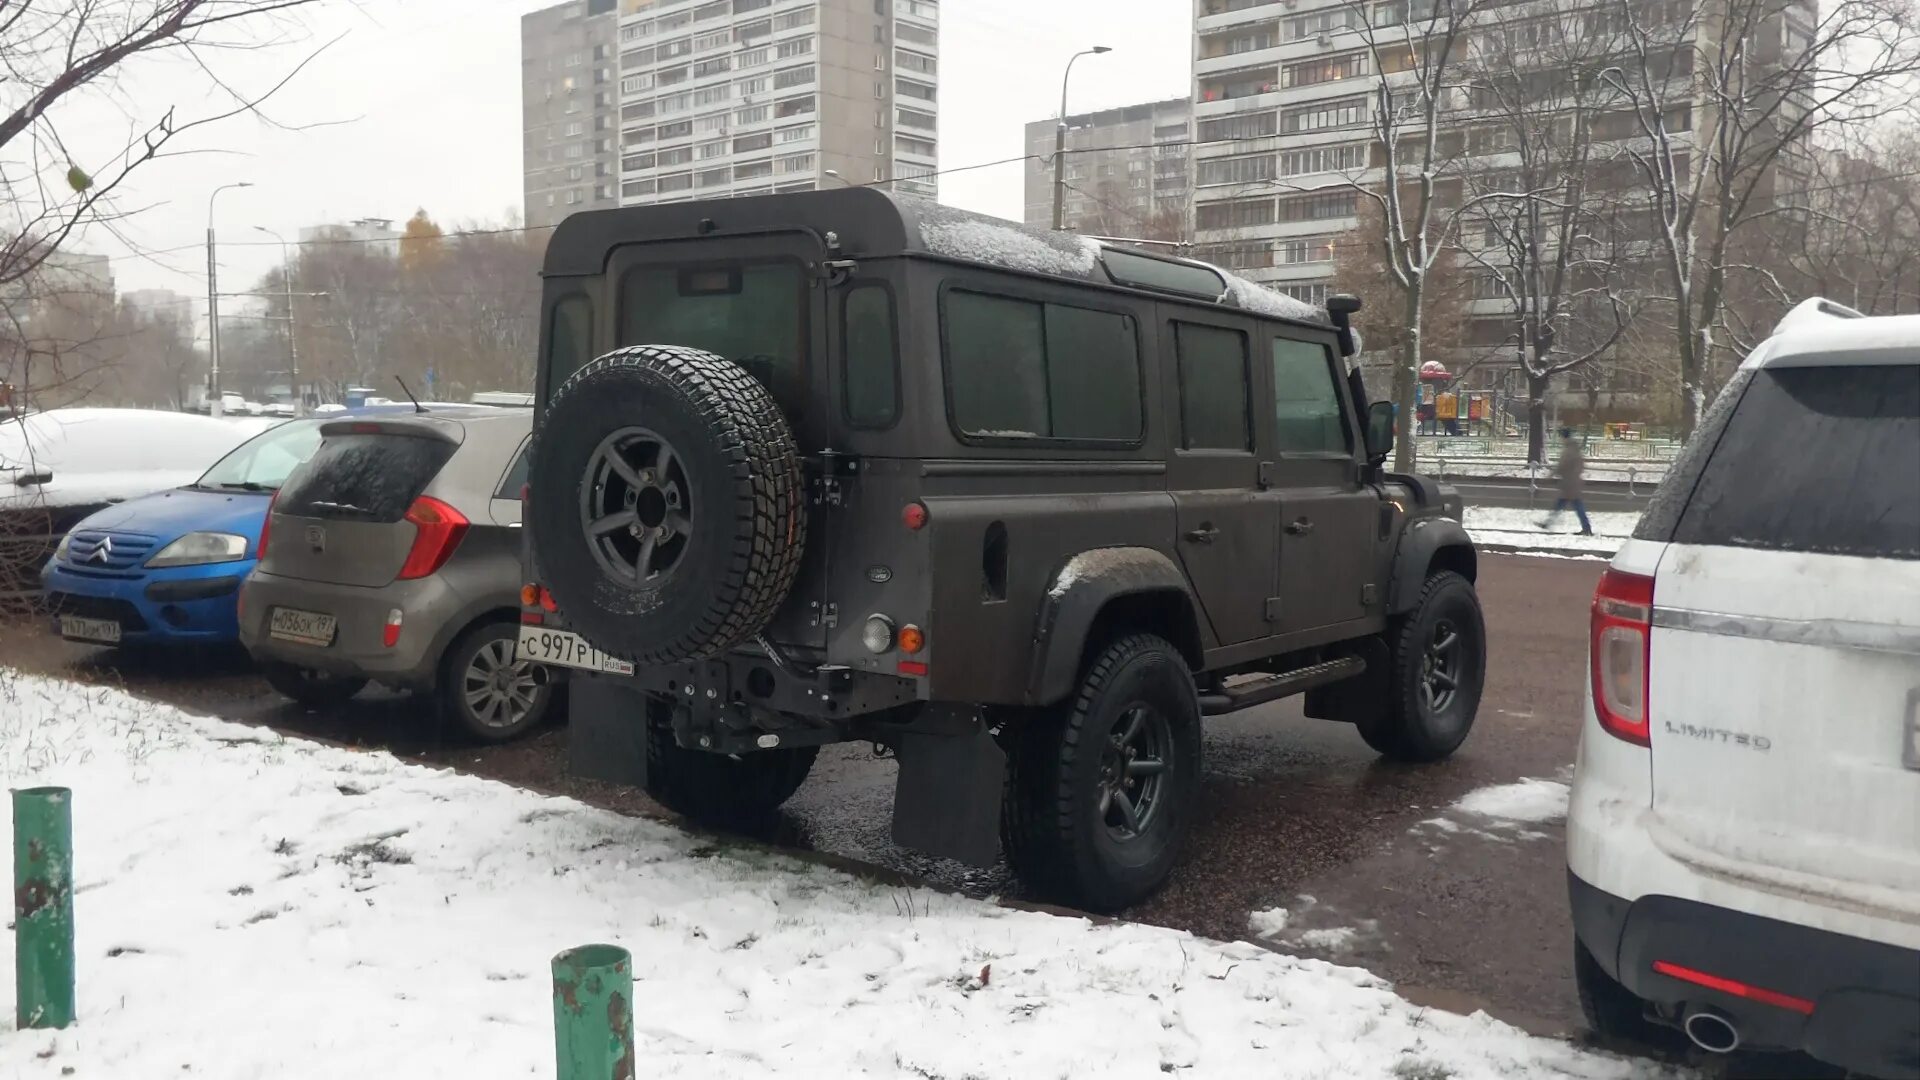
(499, 690)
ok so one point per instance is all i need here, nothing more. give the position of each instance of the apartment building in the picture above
(568, 105)
(1128, 171)
(722, 98)
(377, 234)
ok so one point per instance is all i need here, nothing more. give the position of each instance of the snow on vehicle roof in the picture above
(1811, 335)
(1257, 297)
(962, 235)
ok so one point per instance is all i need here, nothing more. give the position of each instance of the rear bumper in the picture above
(427, 606)
(1865, 994)
(188, 605)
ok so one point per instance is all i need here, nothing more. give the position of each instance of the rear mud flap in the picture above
(606, 732)
(946, 801)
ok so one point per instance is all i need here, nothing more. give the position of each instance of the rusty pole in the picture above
(593, 1013)
(43, 907)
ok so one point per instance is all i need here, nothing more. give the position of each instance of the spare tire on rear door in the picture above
(666, 506)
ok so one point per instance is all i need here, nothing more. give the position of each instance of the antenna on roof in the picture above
(417, 407)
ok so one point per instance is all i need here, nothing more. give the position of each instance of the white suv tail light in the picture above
(1622, 641)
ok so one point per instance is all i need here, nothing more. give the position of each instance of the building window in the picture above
(1235, 214)
(1324, 69)
(714, 177)
(748, 143)
(802, 46)
(792, 77)
(1243, 126)
(797, 133)
(754, 115)
(1343, 158)
(907, 144)
(1324, 206)
(795, 163)
(794, 106)
(915, 119)
(1324, 115)
(792, 19)
(633, 188)
(908, 88)
(716, 149)
(1236, 170)
(1314, 249)
(926, 65)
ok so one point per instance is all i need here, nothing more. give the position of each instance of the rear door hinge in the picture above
(1369, 595)
(1273, 609)
(1266, 474)
(827, 615)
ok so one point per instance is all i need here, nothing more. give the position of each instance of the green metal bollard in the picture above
(43, 907)
(593, 1013)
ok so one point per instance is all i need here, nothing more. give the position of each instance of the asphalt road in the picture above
(1298, 813)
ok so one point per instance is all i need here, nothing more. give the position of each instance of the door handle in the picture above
(1299, 527)
(1205, 534)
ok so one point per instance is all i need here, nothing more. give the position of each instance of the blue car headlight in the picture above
(201, 548)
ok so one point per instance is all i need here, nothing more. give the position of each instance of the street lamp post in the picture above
(293, 348)
(213, 303)
(1060, 140)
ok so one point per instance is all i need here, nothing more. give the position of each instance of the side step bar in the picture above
(1273, 687)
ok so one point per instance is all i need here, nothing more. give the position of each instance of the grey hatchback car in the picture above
(393, 556)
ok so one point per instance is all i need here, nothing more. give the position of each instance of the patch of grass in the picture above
(1420, 1069)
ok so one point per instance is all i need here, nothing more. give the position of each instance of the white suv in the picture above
(1743, 843)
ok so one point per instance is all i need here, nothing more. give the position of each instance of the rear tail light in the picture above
(266, 527)
(1622, 646)
(390, 633)
(912, 639)
(440, 529)
(914, 516)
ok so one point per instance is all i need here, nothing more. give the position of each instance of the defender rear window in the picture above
(753, 315)
(1024, 369)
(1818, 460)
(569, 337)
(372, 477)
(871, 385)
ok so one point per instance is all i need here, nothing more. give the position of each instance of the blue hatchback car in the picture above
(167, 568)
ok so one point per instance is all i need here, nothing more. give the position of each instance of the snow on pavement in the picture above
(249, 905)
(1530, 801)
(1508, 527)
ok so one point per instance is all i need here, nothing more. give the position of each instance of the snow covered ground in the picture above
(254, 906)
(1498, 527)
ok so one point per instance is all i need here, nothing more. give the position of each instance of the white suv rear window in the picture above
(1814, 459)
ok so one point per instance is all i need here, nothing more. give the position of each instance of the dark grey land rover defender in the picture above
(1020, 507)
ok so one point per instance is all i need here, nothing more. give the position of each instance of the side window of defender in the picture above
(1307, 414)
(1213, 388)
(570, 338)
(1031, 369)
(869, 344)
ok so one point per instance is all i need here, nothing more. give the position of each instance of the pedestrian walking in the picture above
(1571, 471)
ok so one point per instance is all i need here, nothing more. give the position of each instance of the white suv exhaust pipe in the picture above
(1712, 1030)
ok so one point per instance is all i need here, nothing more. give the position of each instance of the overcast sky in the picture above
(423, 97)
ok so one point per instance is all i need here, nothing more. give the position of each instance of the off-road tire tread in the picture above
(769, 488)
(713, 788)
(1037, 820)
(1390, 737)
